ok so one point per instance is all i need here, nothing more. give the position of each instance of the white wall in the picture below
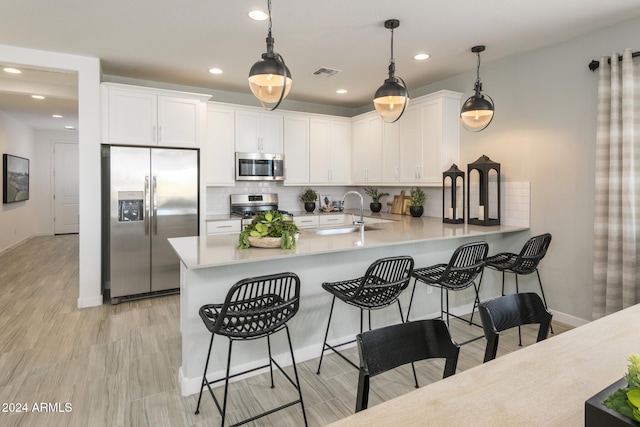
(89, 292)
(544, 132)
(17, 220)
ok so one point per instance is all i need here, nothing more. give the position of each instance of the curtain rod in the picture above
(593, 65)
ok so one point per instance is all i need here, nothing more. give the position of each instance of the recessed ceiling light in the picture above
(421, 56)
(12, 70)
(69, 128)
(37, 96)
(57, 116)
(215, 70)
(258, 15)
(341, 91)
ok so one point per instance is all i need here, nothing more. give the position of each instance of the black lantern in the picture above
(450, 212)
(487, 209)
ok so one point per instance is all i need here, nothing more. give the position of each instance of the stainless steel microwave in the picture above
(259, 167)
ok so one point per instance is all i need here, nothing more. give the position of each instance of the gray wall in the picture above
(544, 132)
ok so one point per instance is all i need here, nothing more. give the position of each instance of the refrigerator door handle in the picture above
(155, 205)
(146, 205)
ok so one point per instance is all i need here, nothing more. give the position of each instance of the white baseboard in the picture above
(94, 301)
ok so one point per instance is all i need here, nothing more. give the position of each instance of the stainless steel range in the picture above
(248, 206)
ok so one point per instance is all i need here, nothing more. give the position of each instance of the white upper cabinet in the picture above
(218, 150)
(259, 132)
(329, 146)
(366, 149)
(296, 149)
(429, 138)
(134, 115)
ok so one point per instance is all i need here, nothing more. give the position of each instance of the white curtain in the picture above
(616, 260)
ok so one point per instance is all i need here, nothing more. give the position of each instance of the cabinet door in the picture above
(219, 146)
(247, 132)
(296, 150)
(258, 132)
(410, 144)
(338, 152)
(132, 117)
(359, 142)
(178, 121)
(391, 152)
(431, 161)
(271, 133)
(366, 150)
(318, 149)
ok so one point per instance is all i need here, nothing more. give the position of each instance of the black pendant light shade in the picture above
(477, 111)
(269, 78)
(392, 98)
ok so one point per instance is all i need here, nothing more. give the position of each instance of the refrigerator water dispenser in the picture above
(130, 206)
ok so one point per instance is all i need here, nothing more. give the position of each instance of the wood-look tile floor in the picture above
(118, 365)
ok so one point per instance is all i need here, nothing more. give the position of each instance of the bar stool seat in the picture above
(254, 308)
(380, 287)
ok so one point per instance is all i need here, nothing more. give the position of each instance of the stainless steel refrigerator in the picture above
(149, 196)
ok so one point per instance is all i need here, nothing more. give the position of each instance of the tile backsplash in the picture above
(515, 197)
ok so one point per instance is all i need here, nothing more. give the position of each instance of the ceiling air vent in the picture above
(326, 72)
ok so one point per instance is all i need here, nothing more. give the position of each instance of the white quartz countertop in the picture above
(220, 250)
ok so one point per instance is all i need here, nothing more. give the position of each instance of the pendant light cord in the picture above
(478, 69)
(269, 10)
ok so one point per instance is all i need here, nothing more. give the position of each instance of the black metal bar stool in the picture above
(381, 285)
(524, 263)
(460, 273)
(254, 308)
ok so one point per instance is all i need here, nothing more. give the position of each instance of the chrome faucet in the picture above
(361, 222)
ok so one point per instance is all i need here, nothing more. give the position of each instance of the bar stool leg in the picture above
(270, 359)
(476, 302)
(543, 298)
(519, 329)
(204, 376)
(226, 385)
(295, 372)
(415, 282)
(326, 334)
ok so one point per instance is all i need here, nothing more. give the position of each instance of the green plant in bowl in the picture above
(374, 194)
(270, 224)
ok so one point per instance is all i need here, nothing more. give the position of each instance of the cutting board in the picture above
(398, 204)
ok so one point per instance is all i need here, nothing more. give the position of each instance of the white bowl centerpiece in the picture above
(269, 229)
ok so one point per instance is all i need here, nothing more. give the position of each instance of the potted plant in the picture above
(309, 198)
(270, 229)
(417, 198)
(375, 204)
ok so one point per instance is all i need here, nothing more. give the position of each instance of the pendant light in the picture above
(477, 112)
(269, 78)
(392, 97)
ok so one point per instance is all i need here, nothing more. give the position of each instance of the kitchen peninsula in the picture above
(211, 265)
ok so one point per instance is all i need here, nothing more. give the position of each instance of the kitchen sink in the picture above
(343, 229)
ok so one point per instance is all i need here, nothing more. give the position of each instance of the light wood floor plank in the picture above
(118, 365)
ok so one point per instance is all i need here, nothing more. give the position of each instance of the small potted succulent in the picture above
(375, 204)
(309, 197)
(417, 198)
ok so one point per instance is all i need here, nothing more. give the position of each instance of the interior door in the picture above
(66, 191)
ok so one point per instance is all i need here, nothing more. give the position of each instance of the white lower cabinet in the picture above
(306, 221)
(332, 219)
(224, 227)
